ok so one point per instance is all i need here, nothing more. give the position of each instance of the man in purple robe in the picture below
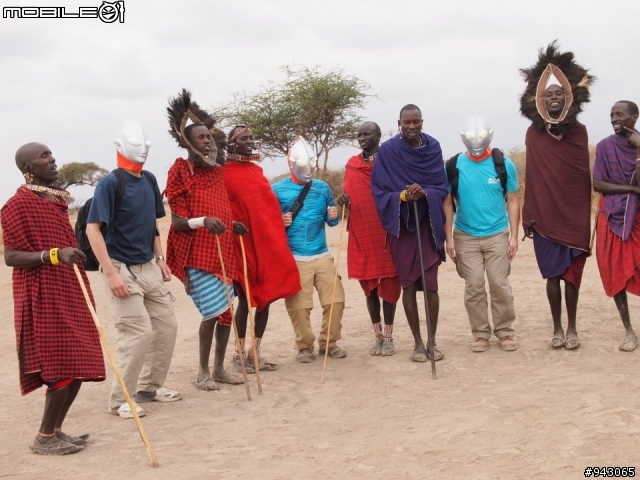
(409, 169)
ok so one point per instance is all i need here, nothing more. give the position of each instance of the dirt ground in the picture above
(533, 413)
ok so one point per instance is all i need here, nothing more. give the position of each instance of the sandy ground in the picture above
(534, 413)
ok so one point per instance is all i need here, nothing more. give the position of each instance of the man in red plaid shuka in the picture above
(201, 214)
(615, 175)
(56, 338)
(368, 258)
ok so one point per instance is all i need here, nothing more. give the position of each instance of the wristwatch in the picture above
(159, 257)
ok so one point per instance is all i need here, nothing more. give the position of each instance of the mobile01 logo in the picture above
(108, 12)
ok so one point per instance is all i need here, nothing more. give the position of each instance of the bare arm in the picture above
(448, 227)
(513, 212)
(612, 188)
(117, 284)
(157, 251)
(23, 259)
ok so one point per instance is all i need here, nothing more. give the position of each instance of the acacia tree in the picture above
(321, 106)
(76, 173)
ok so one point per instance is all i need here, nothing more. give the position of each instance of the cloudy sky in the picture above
(69, 83)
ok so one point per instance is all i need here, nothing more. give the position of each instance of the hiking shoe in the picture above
(480, 345)
(334, 351)
(508, 344)
(306, 355)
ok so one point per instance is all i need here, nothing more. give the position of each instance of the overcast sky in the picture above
(69, 83)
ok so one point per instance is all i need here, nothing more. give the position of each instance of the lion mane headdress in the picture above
(559, 68)
(181, 110)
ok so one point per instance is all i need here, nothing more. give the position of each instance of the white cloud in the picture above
(70, 83)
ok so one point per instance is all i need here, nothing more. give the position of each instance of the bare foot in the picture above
(630, 343)
(572, 341)
(419, 355)
(376, 349)
(387, 347)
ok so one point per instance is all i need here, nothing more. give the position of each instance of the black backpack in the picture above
(452, 173)
(91, 263)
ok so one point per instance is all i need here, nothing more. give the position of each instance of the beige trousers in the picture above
(146, 330)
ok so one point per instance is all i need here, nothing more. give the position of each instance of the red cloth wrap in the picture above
(196, 191)
(272, 270)
(56, 337)
(618, 261)
(557, 193)
(368, 253)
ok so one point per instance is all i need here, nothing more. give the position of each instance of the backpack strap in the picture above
(451, 168)
(501, 169)
(297, 205)
(119, 187)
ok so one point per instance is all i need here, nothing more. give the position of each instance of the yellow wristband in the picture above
(53, 256)
(403, 196)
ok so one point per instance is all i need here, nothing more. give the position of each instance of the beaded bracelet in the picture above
(53, 256)
(403, 196)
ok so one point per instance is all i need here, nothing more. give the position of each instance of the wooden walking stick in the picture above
(116, 370)
(247, 293)
(333, 296)
(430, 342)
(233, 319)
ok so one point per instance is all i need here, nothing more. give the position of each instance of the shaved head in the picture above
(376, 127)
(27, 152)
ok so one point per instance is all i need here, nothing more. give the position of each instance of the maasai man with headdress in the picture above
(410, 168)
(368, 255)
(271, 270)
(56, 338)
(200, 211)
(307, 205)
(557, 196)
(122, 229)
(615, 175)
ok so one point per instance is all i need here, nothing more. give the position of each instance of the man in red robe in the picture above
(272, 272)
(368, 254)
(56, 339)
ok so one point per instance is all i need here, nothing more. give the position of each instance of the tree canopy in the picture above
(76, 173)
(321, 106)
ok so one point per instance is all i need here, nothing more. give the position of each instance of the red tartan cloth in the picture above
(618, 260)
(557, 194)
(573, 273)
(368, 252)
(195, 191)
(56, 337)
(389, 288)
(272, 271)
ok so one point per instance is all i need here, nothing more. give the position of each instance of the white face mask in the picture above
(476, 135)
(131, 142)
(303, 161)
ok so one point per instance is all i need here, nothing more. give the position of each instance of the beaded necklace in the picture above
(370, 160)
(56, 192)
(234, 157)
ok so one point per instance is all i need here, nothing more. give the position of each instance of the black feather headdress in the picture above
(574, 79)
(180, 111)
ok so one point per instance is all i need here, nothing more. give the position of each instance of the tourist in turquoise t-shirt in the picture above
(484, 235)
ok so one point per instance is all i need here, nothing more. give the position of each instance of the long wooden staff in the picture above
(116, 370)
(333, 296)
(430, 340)
(247, 293)
(233, 319)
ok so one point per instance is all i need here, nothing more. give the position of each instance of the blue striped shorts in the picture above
(208, 293)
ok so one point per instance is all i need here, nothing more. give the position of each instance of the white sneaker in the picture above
(124, 411)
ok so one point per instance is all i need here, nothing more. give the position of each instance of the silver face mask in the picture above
(302, 160)
(476, 135)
